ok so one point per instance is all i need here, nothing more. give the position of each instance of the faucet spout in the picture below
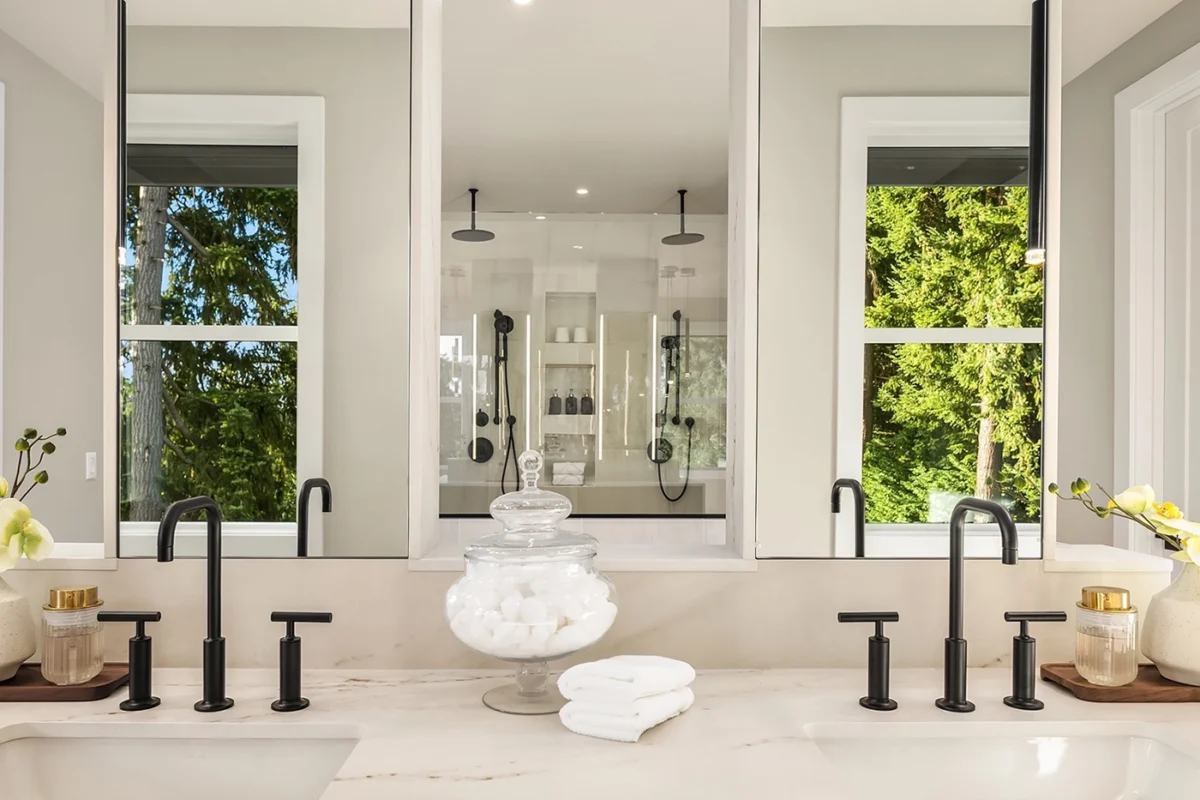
(302, 510)
(214, 644)
(835, 504)
(955, 698)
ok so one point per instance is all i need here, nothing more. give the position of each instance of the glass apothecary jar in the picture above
(1106, 650)
(531, 593)
(72, 636)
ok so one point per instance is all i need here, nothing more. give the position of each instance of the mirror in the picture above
(584, 251)
(900, 339)
(53, 196)
(1129, 369)
(264, 340)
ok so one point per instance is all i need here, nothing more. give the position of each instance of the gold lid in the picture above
(1106, 598)
(71, 598)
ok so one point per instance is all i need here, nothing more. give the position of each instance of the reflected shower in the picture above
(683, 237)
(473, 234)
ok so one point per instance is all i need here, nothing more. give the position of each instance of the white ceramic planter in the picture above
(1171, 629)
(18, 639)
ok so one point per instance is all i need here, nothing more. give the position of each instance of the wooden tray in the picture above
(28, 686)
(1149, 687)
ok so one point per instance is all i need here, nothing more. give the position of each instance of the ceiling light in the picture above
(581, 191)
(577, 246)
(540, 216)
(522, 2)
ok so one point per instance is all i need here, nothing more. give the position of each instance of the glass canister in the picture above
(1106, 651)
(531, 593)
(72, 636)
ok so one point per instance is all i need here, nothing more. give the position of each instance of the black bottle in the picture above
(586, 404)
(572, 403)
(555, 404)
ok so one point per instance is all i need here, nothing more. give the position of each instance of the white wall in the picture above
(364, 77)
(53, 278)
(805, 74)
(1086, 422)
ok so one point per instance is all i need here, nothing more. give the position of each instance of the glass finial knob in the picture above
(530, 463)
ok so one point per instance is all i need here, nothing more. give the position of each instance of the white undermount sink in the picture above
(175, 761)
(1004, 761)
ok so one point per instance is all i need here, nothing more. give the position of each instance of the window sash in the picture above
(210, 333)
(951, 336)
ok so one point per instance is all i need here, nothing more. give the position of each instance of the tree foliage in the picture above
(950, 257)
(230, 407)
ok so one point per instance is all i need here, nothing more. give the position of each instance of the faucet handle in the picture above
(1024, 668)
(289, 658)
(141, 660)
(878, 658)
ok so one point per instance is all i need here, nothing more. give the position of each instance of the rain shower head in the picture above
(473, 234)
(683, 237)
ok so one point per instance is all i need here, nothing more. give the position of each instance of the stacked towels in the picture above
(621, 698)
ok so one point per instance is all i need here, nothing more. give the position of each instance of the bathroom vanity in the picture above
(751, 734)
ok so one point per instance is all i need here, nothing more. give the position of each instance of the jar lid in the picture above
(1105, 598)
(531, 519)
(72, 598)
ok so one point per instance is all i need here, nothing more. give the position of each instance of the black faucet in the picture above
(955, 698)
(860, 541)
(302, 511)
(214, 644)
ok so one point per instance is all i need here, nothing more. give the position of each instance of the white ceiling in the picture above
(271, 13)
(67, 34)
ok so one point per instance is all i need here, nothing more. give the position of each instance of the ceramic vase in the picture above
(1171, 629)
(18, 639)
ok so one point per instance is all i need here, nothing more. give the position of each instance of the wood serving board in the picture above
(1148, 687)
(28, 686)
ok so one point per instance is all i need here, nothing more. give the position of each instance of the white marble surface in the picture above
(426, 734)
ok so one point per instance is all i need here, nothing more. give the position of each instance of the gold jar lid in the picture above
(73, 598)
(1106, 598)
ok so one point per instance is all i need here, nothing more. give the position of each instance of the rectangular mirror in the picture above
(264, 336)
(900, 326)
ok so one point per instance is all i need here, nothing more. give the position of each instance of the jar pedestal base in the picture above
(533, 694)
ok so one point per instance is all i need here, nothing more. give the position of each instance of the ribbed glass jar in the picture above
(72, 636)
(1106, 649)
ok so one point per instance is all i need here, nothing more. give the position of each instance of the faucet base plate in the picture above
(957, 706)
(218, 705)
(878, 705)
(140, 705)
(299, 704)
(1024, 703)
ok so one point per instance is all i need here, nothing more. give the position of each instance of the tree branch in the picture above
(188, 236)
(177, 419)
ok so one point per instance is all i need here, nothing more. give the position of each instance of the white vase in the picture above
(1171, 629)
(18, 639)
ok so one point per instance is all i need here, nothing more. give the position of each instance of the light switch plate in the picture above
(89, 467)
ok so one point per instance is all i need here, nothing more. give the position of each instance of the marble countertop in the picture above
(427, 735)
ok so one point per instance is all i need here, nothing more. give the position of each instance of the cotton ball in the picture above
(510, 606)
(572, 608)
(506, 586)
(540, 634)
(569, 639)
(491, 620)
(600, 620)
(533, 611)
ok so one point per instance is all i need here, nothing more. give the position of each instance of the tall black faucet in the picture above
(860, 535)
(302, 511)
(214, 644)
(955, 698)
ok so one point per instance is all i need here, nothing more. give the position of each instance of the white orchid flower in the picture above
(21, 535)
(1134, 500)
(1190, 551)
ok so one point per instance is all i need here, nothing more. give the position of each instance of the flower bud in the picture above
(41, 477)
(3, 488)
(61, 432)
(1084, 486)
(21, 445)
(30, 433)
(48, 447)
(1053, 488)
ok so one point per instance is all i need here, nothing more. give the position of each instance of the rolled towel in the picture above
(624, 722)
(624, 679)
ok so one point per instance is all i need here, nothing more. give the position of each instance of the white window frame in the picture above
(252, 120)
(908, 122)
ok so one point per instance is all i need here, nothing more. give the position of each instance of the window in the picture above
(940, 332)
(221, 318)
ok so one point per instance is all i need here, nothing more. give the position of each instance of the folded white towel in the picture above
(567, 480)
(568, 467)
(624, 722)
(623, 679)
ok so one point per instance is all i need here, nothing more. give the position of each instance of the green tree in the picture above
(960, 419)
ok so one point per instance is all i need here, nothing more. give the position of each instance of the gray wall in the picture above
(363, 76)
(1086, 382)
(805, 74)
(53, 281)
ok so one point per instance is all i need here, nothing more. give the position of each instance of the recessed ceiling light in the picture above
(910, 168)
(540, 216)
(522, 2)
(577, 246)
(581, 190)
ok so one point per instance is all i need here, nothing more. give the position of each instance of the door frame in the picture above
(1140, 268)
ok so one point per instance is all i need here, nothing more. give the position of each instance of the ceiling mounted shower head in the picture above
(473, 234)
(683, 237)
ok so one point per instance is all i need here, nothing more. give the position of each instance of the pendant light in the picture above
(473, 234)
(1035, 255)
(683, 237)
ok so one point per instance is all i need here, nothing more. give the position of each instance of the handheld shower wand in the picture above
(504, 325)
(660, 450)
